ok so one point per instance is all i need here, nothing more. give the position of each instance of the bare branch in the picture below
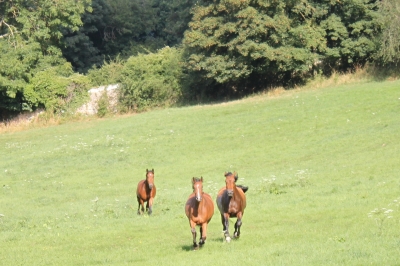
(10, 28)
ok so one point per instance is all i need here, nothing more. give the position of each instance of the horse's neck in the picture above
(235, 193)
(146, 185)
(201, 204)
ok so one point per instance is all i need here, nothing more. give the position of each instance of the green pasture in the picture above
(322, 167)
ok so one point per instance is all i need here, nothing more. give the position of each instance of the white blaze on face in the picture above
(197, 191)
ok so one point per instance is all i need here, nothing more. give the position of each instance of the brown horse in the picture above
(199, 209)
(231, 202)
(146, 191)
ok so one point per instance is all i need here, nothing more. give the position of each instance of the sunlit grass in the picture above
(321, 166)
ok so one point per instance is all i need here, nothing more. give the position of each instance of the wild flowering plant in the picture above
(380, 216)
(396, 203)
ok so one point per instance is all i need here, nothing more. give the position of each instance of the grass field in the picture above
(322, 167)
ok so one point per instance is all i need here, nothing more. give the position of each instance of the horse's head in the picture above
(150, 178)
(230, 181)
(197, 184)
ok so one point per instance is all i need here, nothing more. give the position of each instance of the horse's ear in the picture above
(201, 179)
(193, 180)
(152, 170)
(236, 176)
(147, 170)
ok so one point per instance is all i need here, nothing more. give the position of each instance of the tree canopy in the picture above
(31, 33)
(230, 41)
(389, 41)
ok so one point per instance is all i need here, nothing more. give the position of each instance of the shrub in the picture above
(152, 80)
(109, 73)
(57, 89)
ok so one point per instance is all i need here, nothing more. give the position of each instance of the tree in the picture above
(245, 44)
(82, 48)
(351, 28)
(233, 41)
(129, 26)
(174, 17)
(31, 34)
(389, 41)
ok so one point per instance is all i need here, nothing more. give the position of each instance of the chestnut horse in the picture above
(231, 202)
(199, 209)
(146, 191)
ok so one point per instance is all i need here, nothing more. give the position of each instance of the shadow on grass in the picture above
(190, 247)
(187, 248)
(213, 240)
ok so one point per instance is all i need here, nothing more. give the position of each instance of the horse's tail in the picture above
(244, 188)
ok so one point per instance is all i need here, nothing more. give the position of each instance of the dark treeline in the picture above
(165, 51)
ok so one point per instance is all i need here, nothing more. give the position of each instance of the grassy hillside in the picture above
(322, 168)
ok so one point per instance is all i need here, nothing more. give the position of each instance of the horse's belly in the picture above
(199, 221)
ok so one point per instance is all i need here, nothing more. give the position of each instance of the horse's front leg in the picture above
(150, 206)
(140, 203)
(203, 234)
(238, 224)
(225, 223)
(193, 229)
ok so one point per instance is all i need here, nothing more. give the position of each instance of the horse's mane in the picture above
(244, 188)
(228, 174)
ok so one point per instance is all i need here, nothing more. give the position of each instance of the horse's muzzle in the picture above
(151, 186)
(198, 198)
(229, 192)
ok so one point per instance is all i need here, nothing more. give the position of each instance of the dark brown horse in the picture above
(231, 202)
(145, 192)
(199, 209)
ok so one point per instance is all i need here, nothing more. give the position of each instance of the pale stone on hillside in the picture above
(91, 107)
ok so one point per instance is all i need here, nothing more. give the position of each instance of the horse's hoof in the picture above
(228, 239)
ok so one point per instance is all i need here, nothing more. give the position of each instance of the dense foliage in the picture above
(152, 80)
(31, 35)
(389, 52)
(223, 48)
(234, 42)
